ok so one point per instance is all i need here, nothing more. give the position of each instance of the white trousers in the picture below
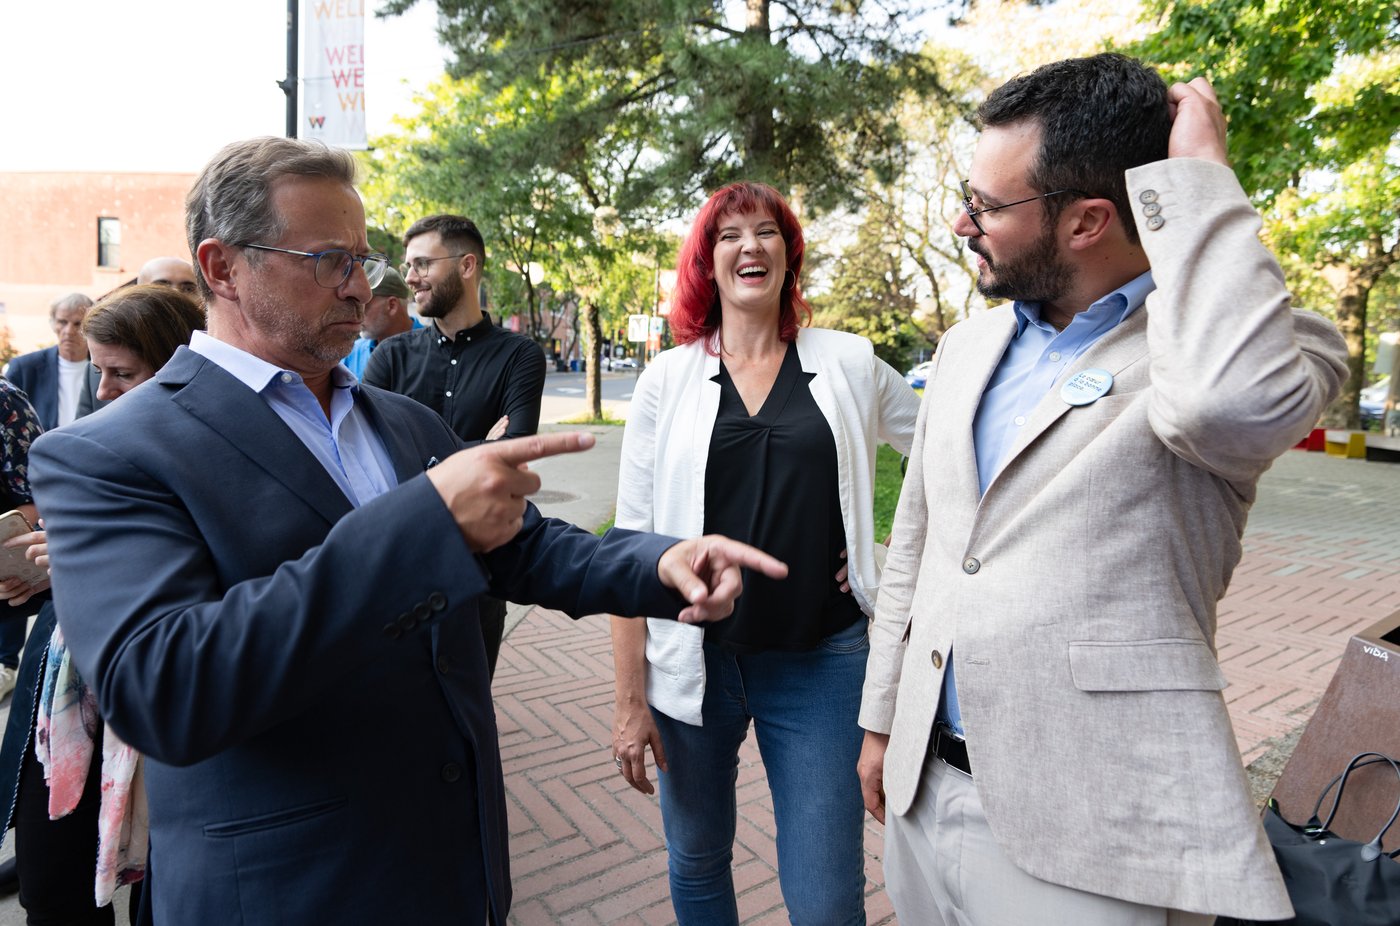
(943, 868)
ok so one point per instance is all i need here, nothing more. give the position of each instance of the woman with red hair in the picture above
(758, 426)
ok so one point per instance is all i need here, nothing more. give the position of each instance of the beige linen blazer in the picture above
(1079, 592)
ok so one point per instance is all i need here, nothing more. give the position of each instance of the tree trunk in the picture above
(1350, 315)
(1358, 279)
(593, 358)
(757, 119)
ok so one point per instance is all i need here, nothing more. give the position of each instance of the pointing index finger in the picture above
(536, 447)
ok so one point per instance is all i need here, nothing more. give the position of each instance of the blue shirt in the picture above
(345, 444)
(1035, 358)
(359, 354)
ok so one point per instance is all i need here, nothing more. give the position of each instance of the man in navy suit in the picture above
(53, 377)
(269, 574)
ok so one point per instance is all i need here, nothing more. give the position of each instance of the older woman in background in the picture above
(764, 429)
(78, 797)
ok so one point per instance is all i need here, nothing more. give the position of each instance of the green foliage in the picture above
(1311, 89)
(798, 94)
(1290, 77)
(871, 295)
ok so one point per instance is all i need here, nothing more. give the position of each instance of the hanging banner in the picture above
(333, 72)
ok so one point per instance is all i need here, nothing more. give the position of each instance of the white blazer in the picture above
(665, 448)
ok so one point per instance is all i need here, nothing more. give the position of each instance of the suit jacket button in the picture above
(405, 621)
(1148, 196)
(442, 664)
(392, 631)
(437, 601)
(421, 611)
(451, 772)
(1155, 222)
(937, 659)
(971, 565)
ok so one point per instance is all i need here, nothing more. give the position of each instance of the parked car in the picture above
(624, 363)
(1373, 402)
(919, 374)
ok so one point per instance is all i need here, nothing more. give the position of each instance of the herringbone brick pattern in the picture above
(585, 847)
(1322, 561)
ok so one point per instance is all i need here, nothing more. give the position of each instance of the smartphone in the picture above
(12, 561)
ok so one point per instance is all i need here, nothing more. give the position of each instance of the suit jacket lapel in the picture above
(240, 415)
(1114, 352)
(960, 388)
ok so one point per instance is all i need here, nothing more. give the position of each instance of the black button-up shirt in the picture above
(470, 380)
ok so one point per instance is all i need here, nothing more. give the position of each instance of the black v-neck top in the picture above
(771, 480)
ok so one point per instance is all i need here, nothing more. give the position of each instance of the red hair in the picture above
(695, 309)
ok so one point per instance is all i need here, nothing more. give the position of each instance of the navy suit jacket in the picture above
(307, 680)
(37, 374)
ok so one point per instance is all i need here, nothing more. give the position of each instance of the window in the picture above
(109, 242)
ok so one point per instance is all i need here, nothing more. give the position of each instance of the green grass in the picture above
(605, 527)
(588, 419)
(888, 480)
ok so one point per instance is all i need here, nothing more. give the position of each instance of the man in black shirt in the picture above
(462, 366)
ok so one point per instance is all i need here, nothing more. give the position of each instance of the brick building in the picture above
(80, 232)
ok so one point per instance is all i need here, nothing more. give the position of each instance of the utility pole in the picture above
(289, 83)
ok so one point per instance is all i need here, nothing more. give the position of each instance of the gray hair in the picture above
(232, 198)
(70, 301)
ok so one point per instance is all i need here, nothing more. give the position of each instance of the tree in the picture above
(1311, 89)
(472, 152)
(797, 93)
(872, 296)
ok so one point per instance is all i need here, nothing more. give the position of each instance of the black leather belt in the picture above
(950, 748)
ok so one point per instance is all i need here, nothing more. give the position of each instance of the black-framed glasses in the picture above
(420, 265)
(974, 213)
(333, 266)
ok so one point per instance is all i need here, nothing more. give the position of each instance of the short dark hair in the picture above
(456, 231)
(1099, 116)
(151, 320)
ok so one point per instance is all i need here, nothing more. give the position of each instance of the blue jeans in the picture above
(804, 709)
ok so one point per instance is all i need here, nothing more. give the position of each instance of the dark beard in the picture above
(443, 298)
(1036, 275)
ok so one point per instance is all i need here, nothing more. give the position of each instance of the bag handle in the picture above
(1371, 850)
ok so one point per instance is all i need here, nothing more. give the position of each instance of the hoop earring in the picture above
(793, 284)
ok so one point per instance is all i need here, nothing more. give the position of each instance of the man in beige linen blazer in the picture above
(1073, 579)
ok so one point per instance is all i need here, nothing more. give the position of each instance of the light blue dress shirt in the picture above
(1034, 360)
(356, 360)
(345, 444)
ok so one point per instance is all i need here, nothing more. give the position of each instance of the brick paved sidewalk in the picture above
(1322, 561)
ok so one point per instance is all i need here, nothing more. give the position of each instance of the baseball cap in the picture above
(392, 285)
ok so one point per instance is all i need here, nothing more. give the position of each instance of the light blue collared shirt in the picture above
(1033, 361)
(349, 449)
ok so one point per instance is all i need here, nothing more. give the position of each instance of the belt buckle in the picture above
(955, 748)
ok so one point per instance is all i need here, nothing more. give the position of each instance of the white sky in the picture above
(160, 85)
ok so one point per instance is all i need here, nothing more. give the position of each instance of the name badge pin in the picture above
(1086, 387)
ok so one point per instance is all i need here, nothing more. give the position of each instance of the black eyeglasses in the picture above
(974, 213)
(420, 265)
(333, 266)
